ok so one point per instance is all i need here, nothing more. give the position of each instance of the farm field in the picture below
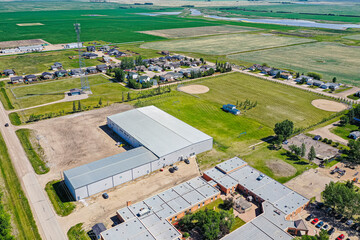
(32, 63)
(226, 44)
(35, 94)
(329, 59)
(234, 134)
(199, 31)
(353, 37)
(113, 25)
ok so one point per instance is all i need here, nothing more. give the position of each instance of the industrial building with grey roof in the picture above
(158, 138)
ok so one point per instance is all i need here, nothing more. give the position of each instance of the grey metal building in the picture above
(95, 177)
(167, 137)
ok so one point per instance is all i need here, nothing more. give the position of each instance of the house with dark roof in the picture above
(47, 75)
(91, 48)
(91, 70)
(17, 79)
(90, 55)
(30, 78)
(75, 72)
(102, 68)
(61, 73)
(56, 66)
(9, 72)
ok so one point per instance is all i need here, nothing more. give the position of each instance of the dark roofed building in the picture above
(46, 75)
(97, 229)
(30, 78)
(91, 48)
(16, 79)
(9, 72)
(102, 68)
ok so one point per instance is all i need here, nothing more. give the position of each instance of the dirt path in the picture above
(324, 132)
(346, 93)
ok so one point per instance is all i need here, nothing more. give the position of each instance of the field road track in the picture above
(42, 210)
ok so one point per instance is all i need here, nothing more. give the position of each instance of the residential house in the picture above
(141, 68)
(56, 66)
(17, 79)
(300, 78)
(185, 63)
(266, 70)
(90, 48)
(46, 75)
(90, 55)
(102, 68)
(168, 66)
(143, 79)
(255, 67)
(331, 86)
(314, 82)
(121, 54)
(155, 68)
(175, 64)
(113, 51)
(9, 72)
(76, 72)
(30, 78)
(286, 75)
(106, 59)
(132, 75)
(275, 72)
(91, 70)
(178, 57)
(61, 73)
(104, 48)
(354, 135)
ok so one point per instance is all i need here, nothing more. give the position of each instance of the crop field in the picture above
(353, 37)
(198, 31)
(32, 63)
(35, 94)
(113, 25)
(301, 11)
(234, 134)
(226, 44)
(329, 59)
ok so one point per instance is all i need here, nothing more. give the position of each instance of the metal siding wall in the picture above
(157, 164)
(203, 146)
(100, 186)
(81, 193)
(141, 171)
(132, 141)
(122, 178)
(69, 186)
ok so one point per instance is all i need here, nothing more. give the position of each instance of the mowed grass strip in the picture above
(15, 200)
(77, 232)
(33, 155)
(329, 59)
(60, 197)
(226, 44)
(45, 92)
(15, 119)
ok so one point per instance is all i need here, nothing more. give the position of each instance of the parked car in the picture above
(260, 177)
(320, 224)
(187, 161)
(340, 237)
(105, 195)
(316, 220)
(325, 227)
(308, 218)
(349, 222)
(6, 124)
(171, 170)
(175, 168)
(331, 231)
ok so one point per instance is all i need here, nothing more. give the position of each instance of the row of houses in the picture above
(60, 73)
(272, 71)
(318, 83)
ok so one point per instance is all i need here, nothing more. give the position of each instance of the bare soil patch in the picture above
(194, 89)
(281, 168)
(20, 43)
(29, 24)
(77, 139)
(197, 31)
(330, 106)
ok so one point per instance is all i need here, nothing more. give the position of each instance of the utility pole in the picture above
(85, 86)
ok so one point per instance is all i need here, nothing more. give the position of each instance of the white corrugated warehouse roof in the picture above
(110, 166)
(164, 133)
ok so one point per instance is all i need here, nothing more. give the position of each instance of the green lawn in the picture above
(77, 233)
(234, 134)
(344, 131)
(32, 63)
(226, 44)
(15, 201)
(329, 59)
(237, 223)
(34, 155)
(60, 197)
(24, 96)
(353, 37)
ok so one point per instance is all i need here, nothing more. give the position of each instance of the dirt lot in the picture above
(194, 89)
(310, 184)
(281, 168)
(328, 105)
(29, 24)
(74, 140)
(20, 43)
(96, 209)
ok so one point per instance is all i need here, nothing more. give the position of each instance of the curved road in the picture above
(45, 217)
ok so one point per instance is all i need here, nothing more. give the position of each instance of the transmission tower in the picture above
(85, 87)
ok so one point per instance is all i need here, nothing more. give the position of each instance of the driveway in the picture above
(324, 132)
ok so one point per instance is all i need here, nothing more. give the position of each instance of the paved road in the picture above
(43, 212)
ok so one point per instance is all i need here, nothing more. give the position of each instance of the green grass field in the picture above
(113, 25)
(234, 134)
(353, 37)
(225, 44)
(56, 191)
(32, 63)
(40, 93)
(344, 131)
(77, 233)
(329, 59)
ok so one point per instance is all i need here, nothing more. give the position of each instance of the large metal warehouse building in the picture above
(159, 140)
(164, 135)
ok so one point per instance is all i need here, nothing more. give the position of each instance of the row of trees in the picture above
(350, 115)
(246, 105)
(210, 224)
(198, 74)
(321, 236)
(301, 151)
(5, 225)
(343, 198)
(223, 67)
